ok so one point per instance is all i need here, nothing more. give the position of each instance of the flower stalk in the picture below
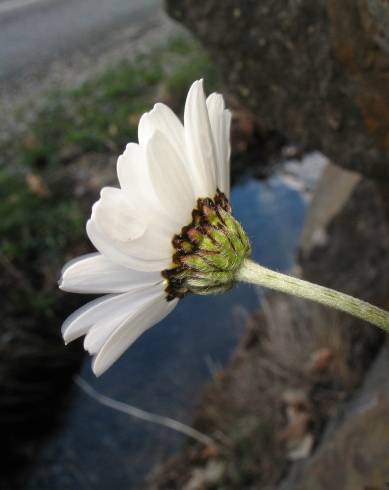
(256, 274)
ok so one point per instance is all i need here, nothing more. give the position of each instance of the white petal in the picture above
(107, 325)
(199, 142)
(163, 119)
(115, 217)
(118, 233)
(103, 310)
(152, 252)
(81, 320)
(134, 177)
(102, 330)
(130, 330)
(227, 129)
(220, 120)
(94, 273)
(170, 178)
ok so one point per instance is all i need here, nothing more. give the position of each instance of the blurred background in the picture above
(294, 395)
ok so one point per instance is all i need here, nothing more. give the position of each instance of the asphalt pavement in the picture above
(58, 44)
(34, 34)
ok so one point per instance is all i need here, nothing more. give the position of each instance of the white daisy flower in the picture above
(168, 231)
(147, 231)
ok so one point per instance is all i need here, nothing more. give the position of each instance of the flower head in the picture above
(166, 232)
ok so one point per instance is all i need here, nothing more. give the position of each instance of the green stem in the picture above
(256, 274)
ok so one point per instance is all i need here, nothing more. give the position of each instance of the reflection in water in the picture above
(167, 367)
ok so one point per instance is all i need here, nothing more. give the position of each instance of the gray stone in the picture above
(316, 72)
(355, 452)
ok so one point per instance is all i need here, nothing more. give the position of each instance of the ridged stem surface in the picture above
(256, 274)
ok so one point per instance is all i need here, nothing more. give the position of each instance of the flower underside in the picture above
(208, 252)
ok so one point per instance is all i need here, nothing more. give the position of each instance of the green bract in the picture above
(209, 251)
